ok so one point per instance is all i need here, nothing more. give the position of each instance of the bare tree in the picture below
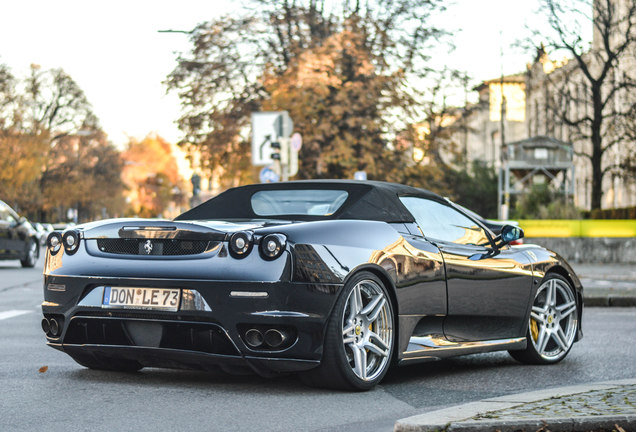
(593, 94)
(55, 104)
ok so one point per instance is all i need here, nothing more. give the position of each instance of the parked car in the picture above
(18, 238)
(334, 280)
(43, 230)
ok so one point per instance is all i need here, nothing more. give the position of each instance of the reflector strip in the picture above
(260, 294)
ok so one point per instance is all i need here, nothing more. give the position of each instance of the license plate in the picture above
(142, 298)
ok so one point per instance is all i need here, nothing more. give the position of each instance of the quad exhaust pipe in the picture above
(274, 338)
(51, 326)
(54, 327)
(271, 338)
(254, 338)
(46, 325)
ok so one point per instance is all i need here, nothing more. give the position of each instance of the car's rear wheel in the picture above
(553, 323)
(98, 362)
(32, 254)
(359, 342)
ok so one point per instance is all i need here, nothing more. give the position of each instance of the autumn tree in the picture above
(83, 173)
(593, 94)
(22, 154)
(152, 176)
(7, 96)
(346, 71)
(336, 97)
(54, 154)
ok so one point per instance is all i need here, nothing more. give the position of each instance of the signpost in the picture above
(272, 146)
(267, 175)
(267, 130)
(360, 175)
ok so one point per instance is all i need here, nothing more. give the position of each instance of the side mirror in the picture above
(510, 233)
(22, 220)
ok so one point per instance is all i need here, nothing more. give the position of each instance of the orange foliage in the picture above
(152, 176)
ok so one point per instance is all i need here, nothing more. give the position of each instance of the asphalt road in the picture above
(70, 397)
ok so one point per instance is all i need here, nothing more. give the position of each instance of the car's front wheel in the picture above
(553, 323)
(32, 254)
(359, 342)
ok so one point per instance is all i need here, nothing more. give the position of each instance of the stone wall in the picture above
(589, 249)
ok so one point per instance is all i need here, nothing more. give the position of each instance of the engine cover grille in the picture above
(165, 247)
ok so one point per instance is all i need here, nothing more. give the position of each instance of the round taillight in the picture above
(272, 246)
(240, 244)
(54, 242)
(70, 239)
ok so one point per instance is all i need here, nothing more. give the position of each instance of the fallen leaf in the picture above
(43, 369)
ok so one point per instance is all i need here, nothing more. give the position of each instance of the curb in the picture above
(589, 423)
(461, 418)
(609, 301)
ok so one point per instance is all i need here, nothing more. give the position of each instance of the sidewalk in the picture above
(602, 406)
(607, 284)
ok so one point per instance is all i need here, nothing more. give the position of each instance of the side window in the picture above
(441, 222)
(4, 214)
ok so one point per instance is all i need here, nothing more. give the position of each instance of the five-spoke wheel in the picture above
(553, 322)
(367, 329)
(360, 336)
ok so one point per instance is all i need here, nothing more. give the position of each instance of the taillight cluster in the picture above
(270, 246)
(70, 240)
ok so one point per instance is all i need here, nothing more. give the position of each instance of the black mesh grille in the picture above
(152, 247)
(190, 336)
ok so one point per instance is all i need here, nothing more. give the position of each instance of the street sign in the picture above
(360, 175)
(296, 141)
(268, 128)
(267, 175)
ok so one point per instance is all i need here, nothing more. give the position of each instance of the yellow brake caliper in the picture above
(534, 330)
(370, 328)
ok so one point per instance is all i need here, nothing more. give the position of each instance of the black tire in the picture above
(553, 322)
(358, 347)
(98, 362)
(32, 254)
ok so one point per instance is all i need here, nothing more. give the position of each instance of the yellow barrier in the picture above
(579, 228)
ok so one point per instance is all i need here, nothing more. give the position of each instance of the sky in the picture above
(114, 51)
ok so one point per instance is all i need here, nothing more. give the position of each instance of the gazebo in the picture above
(537, 159)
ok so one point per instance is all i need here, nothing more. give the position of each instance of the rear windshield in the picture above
(309, 202)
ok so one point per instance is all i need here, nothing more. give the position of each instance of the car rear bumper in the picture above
(183, 359)
(207, 331)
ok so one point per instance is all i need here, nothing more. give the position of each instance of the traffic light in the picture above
(276, 151)
(280, 151)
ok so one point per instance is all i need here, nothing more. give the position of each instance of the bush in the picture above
(543, 202)
(475, 189)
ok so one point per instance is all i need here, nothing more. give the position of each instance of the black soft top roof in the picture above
(367, 200)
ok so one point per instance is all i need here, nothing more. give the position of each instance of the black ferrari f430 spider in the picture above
(334, 280)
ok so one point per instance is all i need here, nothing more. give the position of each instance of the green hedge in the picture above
(619, 213)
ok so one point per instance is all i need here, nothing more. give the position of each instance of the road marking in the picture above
(12, 313)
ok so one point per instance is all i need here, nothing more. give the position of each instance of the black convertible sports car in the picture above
(336, 280)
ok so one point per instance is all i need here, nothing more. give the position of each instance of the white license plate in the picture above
(142, 298)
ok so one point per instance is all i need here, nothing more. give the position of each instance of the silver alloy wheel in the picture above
(553, 319)
(367, 330)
